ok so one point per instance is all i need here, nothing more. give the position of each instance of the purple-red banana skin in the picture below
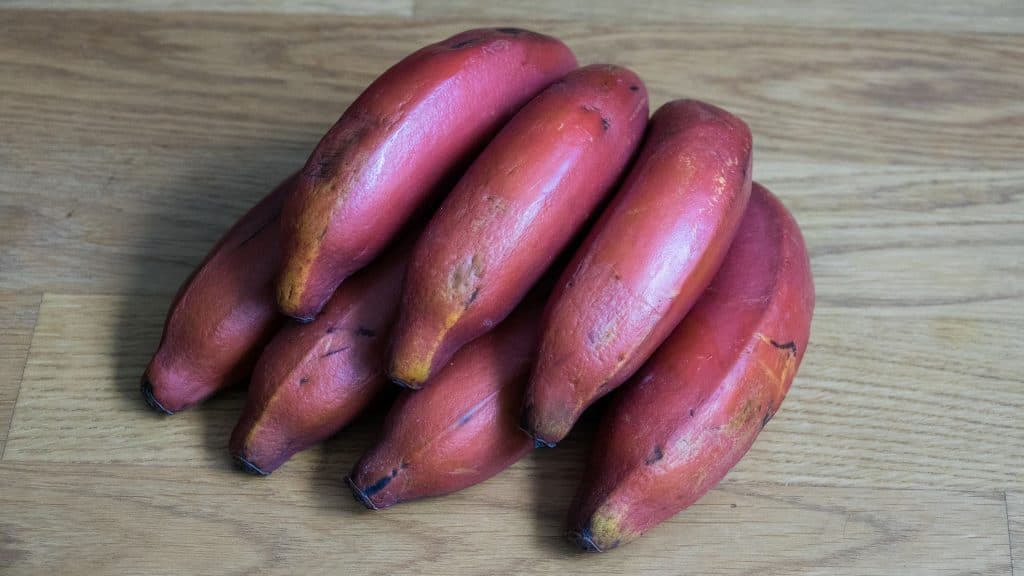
(689, 415)
(460, 430)
(397, 143)
(644, 264)
(313, 379)
(519, 204)
(223, 314)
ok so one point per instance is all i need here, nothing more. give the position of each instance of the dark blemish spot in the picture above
(767, 418)
(463, 44)
(377, 486)
(691, 412)
(331, 329)
(605, 123)
(633, 87)
(791, 346)
(304, 380)
(403, 465)
(472, 297)
(365, 332)
(394, 472)
(658, 454)
(261, 228)
(514, 31)
(333, 352)
(318, 169)
(588, 108)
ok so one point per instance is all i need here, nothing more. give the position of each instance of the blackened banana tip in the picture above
(584, 540)
(359, 495)
(541, 443)
(404, 384)
(524, 425)
(151, 401)
(249, 467)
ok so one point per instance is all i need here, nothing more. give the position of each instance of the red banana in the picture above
(644, 264)
(697, 406)
(312, 379)
(460, 430)
(223, 314)
(517, 206)
(411, 129)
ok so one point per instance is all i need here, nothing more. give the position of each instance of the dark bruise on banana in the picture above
(464, 284)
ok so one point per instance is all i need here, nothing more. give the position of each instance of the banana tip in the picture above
(359, 495)
(151, 401)
(409, 385)
(584, 540)
(542, 443)
(300, 318)
(246, 466)
(538, 441)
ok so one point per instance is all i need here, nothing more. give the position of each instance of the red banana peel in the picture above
(644, 264)
(691, 413)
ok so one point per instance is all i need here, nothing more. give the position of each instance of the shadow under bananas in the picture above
(204, 191)
(334, 459)
(556, 474)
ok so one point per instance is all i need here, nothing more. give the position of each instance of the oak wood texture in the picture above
(184, 521)
(343, 7)
(17, 319)
(132, 135)
(1015, 524)
(984, 15)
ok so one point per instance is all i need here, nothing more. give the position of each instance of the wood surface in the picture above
(133, 134)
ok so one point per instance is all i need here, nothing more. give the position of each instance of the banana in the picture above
(691, 413)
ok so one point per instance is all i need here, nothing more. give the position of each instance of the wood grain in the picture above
(342, 7)
(162, 171)
(82, 401)
(987, 15)
(899, 237)
(132, 135)
(17, 318)
(1015, 524)
(883, 399)
(865, 410)
(984, 15)
(127, 519)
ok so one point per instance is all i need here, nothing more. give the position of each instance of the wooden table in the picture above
(129, 140)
